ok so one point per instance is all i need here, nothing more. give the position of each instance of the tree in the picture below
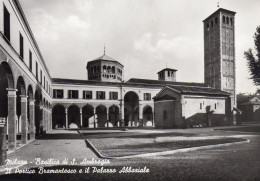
(253, 61)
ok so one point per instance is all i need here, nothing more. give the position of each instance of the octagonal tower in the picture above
(105, 69)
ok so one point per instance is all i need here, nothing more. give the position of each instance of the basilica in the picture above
(32, 102)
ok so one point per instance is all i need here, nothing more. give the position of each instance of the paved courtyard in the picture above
(235, 162)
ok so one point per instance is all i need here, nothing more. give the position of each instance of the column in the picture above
(94, 117)
(107, 117)
(24, 118)
(50, 119)
(66, 112)
(140, 115)
(11, 119)
(41, 117)
(80, 111)
(122, 114)
(32, 117)
(153, 119)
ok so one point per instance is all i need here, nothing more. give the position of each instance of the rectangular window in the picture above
(36, 66)
(30, 60)
(101, 95)
(73, 94)
(200, 105)
(41, 77)
(87, 94)
(147, 96)
(6, 24)
(44, 82)
(113, 95)
(21, 46)
(58, 93)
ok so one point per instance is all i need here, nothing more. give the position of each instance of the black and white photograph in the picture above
(130, 90)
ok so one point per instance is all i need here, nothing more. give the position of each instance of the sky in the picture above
(143, 35)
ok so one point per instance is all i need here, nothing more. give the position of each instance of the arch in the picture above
(6, 73)
(38, 113)
(227, 19)
(216, 20)
(104, 68)
(131, 102)
(29, 98)
(74, 116)
(58, 117)
(101, 112)
(88, 116)
(108, 69)
(21, 91)
(223, 19)
(114, 117)
(30, 92)
(113, 69)
(148, 115)
(6, 81)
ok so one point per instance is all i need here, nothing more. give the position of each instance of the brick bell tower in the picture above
(219, 52)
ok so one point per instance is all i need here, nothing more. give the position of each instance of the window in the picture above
(224, 19)
(169, 73)
(44, 82)
(87, 94)
(58, 93)
(36, 66)
(21, 46)
(101, 95)
(231, 21)
(113, 70)
(215, 105)
(164, 114)
(113, 95)
(6, 24)
(30, 60)
(200, 105)
(216, 20)
(147, 96)
(73, 94)
(41, 77)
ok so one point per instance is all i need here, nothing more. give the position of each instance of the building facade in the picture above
(33, 102)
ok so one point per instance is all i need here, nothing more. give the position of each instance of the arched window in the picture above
(108, 69)
(231, 21)
(211, 23)
(113, 70)
(104, 68)
(216, 20)
(224, 19)
(227, 20)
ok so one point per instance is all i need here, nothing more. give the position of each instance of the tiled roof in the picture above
(220, 9)
(105, 58)
(199, 90)
(167, 69)
(163, 83)
(101, 83)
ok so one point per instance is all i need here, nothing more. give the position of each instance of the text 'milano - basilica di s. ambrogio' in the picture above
(33, 102)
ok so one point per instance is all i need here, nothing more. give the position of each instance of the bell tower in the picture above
(219, 52)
